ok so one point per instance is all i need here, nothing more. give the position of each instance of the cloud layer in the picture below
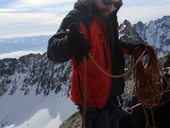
(145, 10)
(34, 17)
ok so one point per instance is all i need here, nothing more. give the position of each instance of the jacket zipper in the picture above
(79, 87)
(104, 50)
(110, 87)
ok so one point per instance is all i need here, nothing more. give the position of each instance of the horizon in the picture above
(27, 18)
(40, 35)
(24, 36)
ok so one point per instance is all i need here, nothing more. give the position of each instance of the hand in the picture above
(140, 45)
(77, 44)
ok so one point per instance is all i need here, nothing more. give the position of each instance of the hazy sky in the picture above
(42, 17)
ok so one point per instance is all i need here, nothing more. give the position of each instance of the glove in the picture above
(131, 46)
(77, 44)
(140, 45)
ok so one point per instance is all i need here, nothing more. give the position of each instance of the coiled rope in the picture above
(149, 81)
(148, 78)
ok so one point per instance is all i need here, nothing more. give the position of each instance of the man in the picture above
(92, 28)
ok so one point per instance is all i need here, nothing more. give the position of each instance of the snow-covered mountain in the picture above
(34, 43)
(34, 92)
(156, 33)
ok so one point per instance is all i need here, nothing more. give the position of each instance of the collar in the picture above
(91, 9)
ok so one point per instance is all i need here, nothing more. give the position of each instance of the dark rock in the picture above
(73, 122)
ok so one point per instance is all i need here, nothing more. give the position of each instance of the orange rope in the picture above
(85, 91)
(121, 75)
(148, 79)
(153, 119)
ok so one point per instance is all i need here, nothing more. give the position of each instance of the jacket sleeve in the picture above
(58, 50)
(127, 48)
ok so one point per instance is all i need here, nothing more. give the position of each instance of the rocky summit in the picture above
(34, 70)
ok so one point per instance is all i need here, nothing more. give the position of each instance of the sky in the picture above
(43, 17)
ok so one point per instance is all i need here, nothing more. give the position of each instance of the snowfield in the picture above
(31, 111)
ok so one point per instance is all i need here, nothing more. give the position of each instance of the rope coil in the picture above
(148, 78)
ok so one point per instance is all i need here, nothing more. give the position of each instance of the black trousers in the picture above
(107, 117)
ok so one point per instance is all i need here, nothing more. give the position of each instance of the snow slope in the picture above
(34, 92)
(34, 111)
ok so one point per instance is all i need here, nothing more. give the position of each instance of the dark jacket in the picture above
(102, 33)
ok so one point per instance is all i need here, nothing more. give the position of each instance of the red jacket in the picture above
(106, 49)
(98, 84)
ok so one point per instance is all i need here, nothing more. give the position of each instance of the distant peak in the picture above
(140, 23)
(127, 22)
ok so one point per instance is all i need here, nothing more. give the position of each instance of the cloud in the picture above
(15, 24)
(144, 12)
(31, 11)
(19, 17)
(144, 2)
(40, 3)
(40, 16)
(28, 18)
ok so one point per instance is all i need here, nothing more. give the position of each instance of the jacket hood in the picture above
(88, 7)
(91, 8)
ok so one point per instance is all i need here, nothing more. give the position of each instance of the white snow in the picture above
(31, 111)
(157, 34)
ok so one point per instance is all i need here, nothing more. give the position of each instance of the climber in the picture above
(92, 28)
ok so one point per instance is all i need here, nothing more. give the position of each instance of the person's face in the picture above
(106, 9)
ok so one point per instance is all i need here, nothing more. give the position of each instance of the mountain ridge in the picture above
(37, 70)
(33, 43)
(156, 33)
